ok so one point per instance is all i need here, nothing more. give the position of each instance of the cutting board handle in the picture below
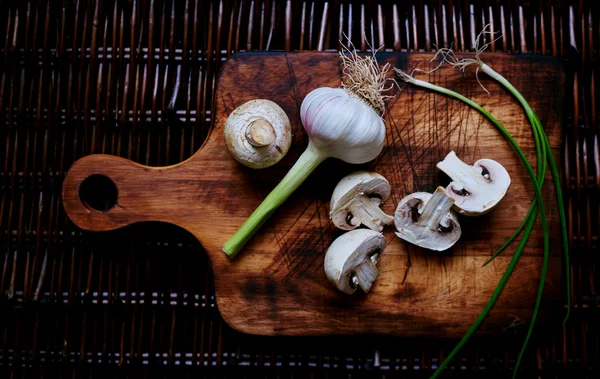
(104, 192)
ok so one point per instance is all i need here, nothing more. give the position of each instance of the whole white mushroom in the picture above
(258, 133)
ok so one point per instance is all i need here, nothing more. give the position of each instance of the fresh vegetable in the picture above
(476, 189)
(258, 133)
(427, 220)
(344, 123)
(351, 260)
(547, 155)
(527, 225)
(356, 200)
(543, 154)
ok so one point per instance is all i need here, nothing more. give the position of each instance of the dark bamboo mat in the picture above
(136, 78)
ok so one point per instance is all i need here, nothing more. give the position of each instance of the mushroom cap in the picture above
(365, 186)
(349, 251)
(438, 235)
(478, 188)
(258, 133)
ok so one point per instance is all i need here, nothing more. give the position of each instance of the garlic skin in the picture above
(342, 125)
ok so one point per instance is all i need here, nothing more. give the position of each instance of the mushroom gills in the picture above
(357, 199)
(427, 220)
(476, 189)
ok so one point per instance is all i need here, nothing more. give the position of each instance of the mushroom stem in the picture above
(366, 273)
(459, 171)
(435, 209)
(260, 133)
(367, 210)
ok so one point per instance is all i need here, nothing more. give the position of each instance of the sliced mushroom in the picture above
(356, 200)
(351, 260)
(476, 189)
(427, 220)
(258, 133)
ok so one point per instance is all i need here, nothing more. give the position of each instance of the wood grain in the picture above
(276, 285)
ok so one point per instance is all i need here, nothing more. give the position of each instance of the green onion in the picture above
(535, 122)
(448, 56)
(527, 225)
(532, 210)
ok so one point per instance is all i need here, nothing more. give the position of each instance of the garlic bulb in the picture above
(340, 123)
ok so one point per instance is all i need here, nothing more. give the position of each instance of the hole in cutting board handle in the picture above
(98, 193)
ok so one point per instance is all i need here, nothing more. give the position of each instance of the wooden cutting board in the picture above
(276, 285)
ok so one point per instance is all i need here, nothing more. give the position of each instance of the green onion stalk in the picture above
(527, 225)
(535, 122)
(544, 156)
